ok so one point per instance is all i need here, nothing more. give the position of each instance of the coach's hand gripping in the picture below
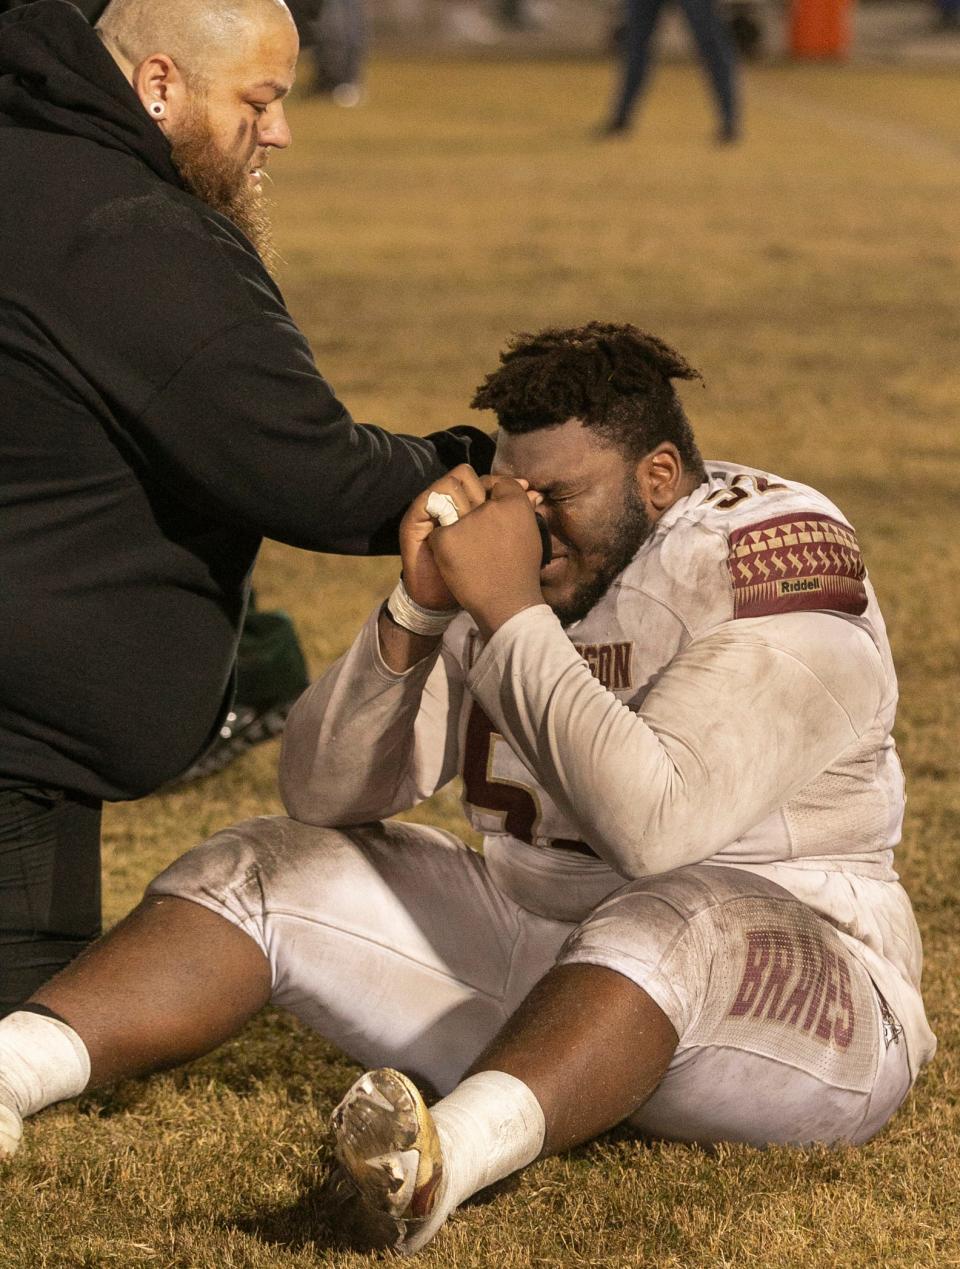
(490, 560)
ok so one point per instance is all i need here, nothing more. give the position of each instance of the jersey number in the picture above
(740, 488)
(485, 792)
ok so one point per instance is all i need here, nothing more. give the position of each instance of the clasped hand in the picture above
(488, 562)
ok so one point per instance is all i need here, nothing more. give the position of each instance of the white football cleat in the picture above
(11, 1130)
(391, 1166)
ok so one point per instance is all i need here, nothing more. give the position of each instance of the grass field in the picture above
(813, 274)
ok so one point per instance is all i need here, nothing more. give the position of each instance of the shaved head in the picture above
(212, 76)
(196, 34)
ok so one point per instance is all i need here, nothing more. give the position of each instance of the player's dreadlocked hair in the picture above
(614, 378)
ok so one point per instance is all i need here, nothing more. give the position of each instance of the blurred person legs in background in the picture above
(713, 45)
(746, 27)
(335, 33)
(516, 15)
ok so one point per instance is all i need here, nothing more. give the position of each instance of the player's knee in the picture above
(645, 932)
(677, 936)
(245, 870)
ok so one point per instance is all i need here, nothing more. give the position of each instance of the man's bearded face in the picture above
(593, 563)
(222, 180)
(592, 506)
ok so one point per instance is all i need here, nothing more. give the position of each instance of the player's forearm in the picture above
(732, 730)
(400, 648)
(352, 750)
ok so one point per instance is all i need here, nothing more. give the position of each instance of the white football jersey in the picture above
(743, 546)
(729, 700)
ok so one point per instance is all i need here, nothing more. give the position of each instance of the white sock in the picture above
(42, 1061)
(489, 1126)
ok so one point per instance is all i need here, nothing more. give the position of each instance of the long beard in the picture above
(218, 181)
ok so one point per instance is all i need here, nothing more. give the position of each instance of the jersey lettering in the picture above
(609, 662)
(514, 803)
(798, 981)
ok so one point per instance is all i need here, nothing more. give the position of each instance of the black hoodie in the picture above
(160, 412)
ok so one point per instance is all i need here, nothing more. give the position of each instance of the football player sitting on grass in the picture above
(675, 737)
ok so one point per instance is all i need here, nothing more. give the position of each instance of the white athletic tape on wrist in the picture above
(442, 508)
(408, 613)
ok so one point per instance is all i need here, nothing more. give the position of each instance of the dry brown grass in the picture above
(813, 275)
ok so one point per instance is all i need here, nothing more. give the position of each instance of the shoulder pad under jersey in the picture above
(788, 548)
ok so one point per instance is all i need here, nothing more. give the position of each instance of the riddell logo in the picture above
(796, 588)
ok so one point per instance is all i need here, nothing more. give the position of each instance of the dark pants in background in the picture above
(335, 34)
(713, 44)
(49, 885)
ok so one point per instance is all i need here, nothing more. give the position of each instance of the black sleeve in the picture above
(249, 431)
(461, 444)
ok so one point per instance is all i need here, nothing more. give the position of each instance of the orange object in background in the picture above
(820, 28)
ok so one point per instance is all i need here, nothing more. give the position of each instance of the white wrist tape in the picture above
(422, 621)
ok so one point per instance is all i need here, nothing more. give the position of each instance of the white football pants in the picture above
(392, 942)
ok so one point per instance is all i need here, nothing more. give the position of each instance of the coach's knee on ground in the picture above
(781, 1032)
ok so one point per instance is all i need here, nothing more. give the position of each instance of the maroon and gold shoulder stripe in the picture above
(795, 563)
